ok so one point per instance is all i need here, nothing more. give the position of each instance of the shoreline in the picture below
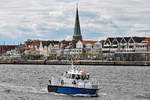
(80, 62)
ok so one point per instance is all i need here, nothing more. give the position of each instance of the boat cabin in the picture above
(77, 75)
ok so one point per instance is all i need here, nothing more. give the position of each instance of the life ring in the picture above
(74, 82)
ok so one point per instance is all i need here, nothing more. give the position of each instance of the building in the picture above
(6, 48)
(38, 47)
(125, 44)
(88, 46)
(49, 47)
(147, 40)
(77, 31)
(32, 47)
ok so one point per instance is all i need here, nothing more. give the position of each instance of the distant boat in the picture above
(74, 82)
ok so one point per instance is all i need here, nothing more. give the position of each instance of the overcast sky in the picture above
(54, 19)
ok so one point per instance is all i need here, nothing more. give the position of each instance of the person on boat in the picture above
(62, 82)
(49, 81)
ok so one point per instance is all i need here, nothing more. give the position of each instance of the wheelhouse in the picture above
(77, 76)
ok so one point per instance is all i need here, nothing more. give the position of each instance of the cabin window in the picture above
(69, 75)
(83, 77)
(73, 76)
(66, 74)
(87, 77)
(78, 77)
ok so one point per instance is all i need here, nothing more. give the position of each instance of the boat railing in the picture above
(91, 84)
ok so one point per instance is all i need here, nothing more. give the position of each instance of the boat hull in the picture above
(72, 90)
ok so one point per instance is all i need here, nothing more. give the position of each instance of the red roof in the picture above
(88, 42)
(34, 43)
(147, 39)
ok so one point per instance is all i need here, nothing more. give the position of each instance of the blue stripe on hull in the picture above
(71, 90)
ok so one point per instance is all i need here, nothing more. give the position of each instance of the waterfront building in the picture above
(32, 47)
(78, 48)
(89, 46)
(38, 47)
(125, 44)
(97, 47)
(6, 48)
(147, 40)
(49, 47)
(65, 44)
(127, 48)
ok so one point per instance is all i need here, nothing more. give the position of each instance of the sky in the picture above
(54, 19)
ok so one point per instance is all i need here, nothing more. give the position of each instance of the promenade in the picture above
(79, 62)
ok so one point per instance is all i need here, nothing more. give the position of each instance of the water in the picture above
(29, 82)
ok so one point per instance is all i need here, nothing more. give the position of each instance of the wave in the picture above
(10, 88)
(143, 97)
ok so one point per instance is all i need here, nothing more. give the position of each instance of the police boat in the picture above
(74, 82)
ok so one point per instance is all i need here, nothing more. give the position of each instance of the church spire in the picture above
(77, 32)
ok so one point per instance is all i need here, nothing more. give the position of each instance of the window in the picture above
(83, 77)
(78, 77)
(131, 46)
(69, 75)
(73, 76)
(87, 77)
(123, 46)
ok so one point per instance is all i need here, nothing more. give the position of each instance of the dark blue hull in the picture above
(72, 90)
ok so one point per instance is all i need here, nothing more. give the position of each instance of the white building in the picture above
(125, 44)
(49, 47)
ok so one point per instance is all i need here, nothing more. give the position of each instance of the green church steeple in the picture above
(77, 32)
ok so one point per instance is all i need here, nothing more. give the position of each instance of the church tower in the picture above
(77, 32)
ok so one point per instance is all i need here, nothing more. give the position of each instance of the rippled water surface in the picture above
(29, 82)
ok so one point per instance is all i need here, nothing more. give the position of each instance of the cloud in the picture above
(53, 19)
